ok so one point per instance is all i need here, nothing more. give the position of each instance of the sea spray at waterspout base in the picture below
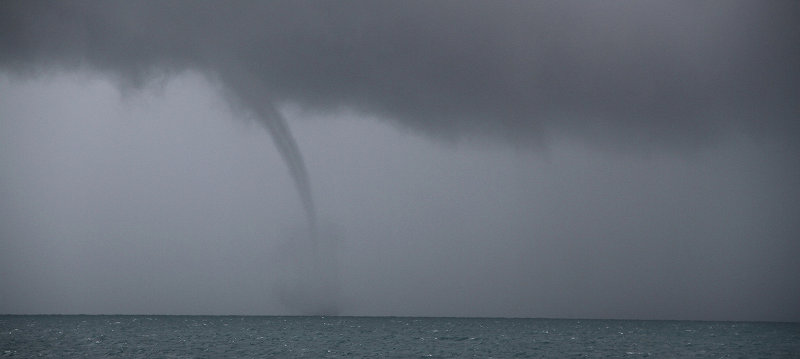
(308, 280)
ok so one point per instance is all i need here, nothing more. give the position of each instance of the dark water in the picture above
(356, 337)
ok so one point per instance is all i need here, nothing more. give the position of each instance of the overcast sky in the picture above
(537, 159)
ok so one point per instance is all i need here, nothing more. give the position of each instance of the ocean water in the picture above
(140, 336)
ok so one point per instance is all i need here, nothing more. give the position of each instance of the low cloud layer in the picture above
(628, 73)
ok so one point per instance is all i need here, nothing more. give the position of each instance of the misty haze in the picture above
(564, 159)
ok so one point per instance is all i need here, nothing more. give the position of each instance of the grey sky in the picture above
(563, 159)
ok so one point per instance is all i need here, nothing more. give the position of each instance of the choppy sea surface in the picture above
(67, 336)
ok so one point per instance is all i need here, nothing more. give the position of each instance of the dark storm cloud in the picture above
(669, 73)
